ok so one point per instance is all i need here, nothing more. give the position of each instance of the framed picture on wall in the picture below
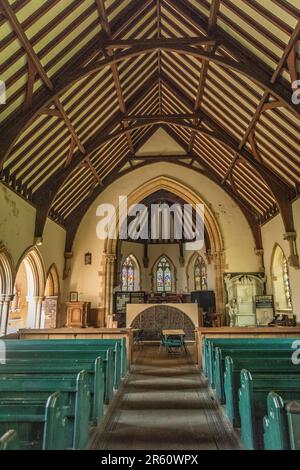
(73, 296)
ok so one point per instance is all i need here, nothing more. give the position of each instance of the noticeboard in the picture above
(264, 305)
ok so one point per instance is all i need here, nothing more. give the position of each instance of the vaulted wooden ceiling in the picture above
(89, 82)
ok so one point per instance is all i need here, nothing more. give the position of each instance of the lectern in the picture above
(78, 314)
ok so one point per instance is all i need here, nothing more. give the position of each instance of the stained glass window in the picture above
(128, 274)
(163, 276)
(200, 274)
(286, 282)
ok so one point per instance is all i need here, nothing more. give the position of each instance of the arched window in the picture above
(200, 274)
(281, 281)
(128, 274)
(163, 276)
(286, 282)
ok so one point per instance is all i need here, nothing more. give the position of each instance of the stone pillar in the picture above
(39, 321)
(218, 258)
(293, 258)
(109, 282)
(34, 311)
(4, 312)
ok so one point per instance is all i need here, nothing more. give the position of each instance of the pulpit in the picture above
(78, 314)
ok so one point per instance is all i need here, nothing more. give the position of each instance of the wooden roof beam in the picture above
(44, 197)
(17, 27)
(34, 61)
(114, 68)
(281, 191)
(14, 126)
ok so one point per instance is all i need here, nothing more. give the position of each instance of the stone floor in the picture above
(164, 403)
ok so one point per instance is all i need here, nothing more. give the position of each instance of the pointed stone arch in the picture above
(7, 275)
(31, 266)
(190, 197)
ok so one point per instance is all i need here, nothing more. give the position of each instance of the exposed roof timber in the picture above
(35, 63)
(212, 22)
(11, 129)
(8, 11)
(279, 189)
(72, 222)
(281, 192)
(186, 9)
(263, 104)
(157, 117)
(46, 194)
(114, 68)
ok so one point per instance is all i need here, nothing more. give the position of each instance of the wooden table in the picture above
(173, 332)
(180, 333)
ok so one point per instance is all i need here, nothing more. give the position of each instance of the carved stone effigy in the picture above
(243, 287)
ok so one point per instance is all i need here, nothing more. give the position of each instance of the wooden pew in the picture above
(281, 424)
(74, 391)
(76, 334)
(219, 363)
(270, 344)
(243, 333)
(256, 365)
(70, 356)
(10, 441)
(38, 423)
(119, 346)
(253, 402)
(93, 367)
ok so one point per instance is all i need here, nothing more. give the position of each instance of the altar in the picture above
(153, 318)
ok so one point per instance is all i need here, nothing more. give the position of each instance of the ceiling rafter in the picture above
(282, 193)
(12, 128)
(264, 102)
(35, 66)
(46, 194)
(114, 68)
(128, 44)
(212, 22)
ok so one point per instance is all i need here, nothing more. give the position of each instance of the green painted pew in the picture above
(71, 355)
(281, 424)
(75, 394)
(119, 346)
(219, 367)
(10, 441)
(93, 367)
(262, 344)
(253, 395)
(37, 424)
(257, 365)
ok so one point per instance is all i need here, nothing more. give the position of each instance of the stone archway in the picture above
(154, 319)
(211, 225)
(7, 274)
(26, 308)
(50, 308)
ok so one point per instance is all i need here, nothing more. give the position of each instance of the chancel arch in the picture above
(281, 281)
(190, 197)
(29, 290)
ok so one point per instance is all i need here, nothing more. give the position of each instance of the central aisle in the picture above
(164, 404)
